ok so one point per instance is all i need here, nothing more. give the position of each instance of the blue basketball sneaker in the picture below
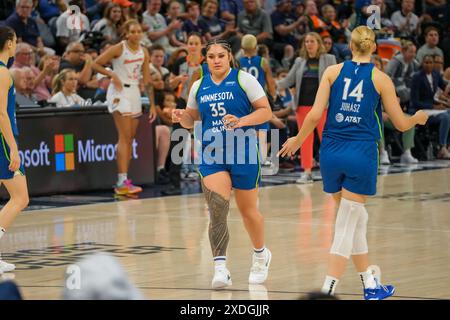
(380, 292)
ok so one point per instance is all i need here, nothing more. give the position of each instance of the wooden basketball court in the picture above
(163, 242)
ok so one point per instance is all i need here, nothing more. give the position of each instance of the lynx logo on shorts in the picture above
(64, 152)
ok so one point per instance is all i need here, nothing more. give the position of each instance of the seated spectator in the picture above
(110, 24)
(192, 23)
(215, 29)
(29, 79)
(253, 20)
(438, 64)
(20, 83)
(158, 31)
(157, 54)
(315, 23)
(64, 35)
(331, 48)
(24, 25)
(174, 12)
(425, 84)
(401, 69)
(23, 98)
(405, 21)
(76, 58)
(25, 57)
(285, 25)
(407, 136)
(336, 29)
(430, 47)
(229, 9)
(65, 90)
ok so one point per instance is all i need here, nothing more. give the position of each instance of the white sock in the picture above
(329, 286)
(260, 253)
(407, 152)
(121, 177)
(159, 168)
(220, 261)
(367, 280)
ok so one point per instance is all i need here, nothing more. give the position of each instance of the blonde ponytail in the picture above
(363, 38)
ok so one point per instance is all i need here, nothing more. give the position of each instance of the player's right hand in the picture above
(116, 82)
(421, 117)
(14, 163)
(177, 114)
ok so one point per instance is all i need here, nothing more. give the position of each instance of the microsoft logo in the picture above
(64, 152)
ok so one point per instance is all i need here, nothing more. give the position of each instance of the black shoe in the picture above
(172, 191)
(162, 177)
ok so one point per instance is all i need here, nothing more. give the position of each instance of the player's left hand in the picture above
(289, 147)
(14, 163)
(231, 122)
(152, 114)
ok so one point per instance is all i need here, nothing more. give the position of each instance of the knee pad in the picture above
(360, 238)
(218, 227)
(344, 231)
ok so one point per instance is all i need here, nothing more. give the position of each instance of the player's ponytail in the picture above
(363, 40)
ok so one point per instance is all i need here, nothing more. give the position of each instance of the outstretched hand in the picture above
(290, 147)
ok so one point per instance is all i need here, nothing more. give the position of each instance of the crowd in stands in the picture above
(53, 63)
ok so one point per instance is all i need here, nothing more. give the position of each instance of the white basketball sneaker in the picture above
(6, 267)
(260, 268)
(222, 278)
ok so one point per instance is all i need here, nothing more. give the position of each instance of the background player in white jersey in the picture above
(130, 61)
(228, 98)
(353, 92)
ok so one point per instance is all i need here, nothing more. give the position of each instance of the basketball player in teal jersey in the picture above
(353, 92)
(12, 174)
(228, 98)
